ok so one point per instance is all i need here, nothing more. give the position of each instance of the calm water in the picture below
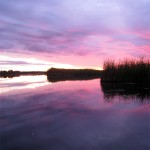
(72, 115)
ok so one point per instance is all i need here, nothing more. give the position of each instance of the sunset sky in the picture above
(39, 34)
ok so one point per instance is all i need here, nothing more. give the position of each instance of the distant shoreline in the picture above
(11, 73)
(54, 73)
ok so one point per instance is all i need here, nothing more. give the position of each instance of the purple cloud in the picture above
(73, 27)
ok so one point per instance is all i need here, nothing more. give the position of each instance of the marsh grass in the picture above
(128, 71)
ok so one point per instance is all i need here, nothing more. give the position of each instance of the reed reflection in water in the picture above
(139, 93)
(72, 115)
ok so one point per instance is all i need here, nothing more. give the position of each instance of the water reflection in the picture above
(8, 85)
(70, 78)
(13, 74)
(70, 115)
(139, 93)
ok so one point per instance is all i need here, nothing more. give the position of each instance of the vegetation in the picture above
(11, 73)
(128, 71)
(55, 74)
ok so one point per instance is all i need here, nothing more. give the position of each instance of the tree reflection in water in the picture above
(139, 93)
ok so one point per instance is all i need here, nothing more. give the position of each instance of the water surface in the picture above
(71, 115)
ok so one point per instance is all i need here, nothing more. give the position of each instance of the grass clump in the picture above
(135, 71)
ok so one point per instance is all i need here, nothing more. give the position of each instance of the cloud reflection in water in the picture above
(71, 115)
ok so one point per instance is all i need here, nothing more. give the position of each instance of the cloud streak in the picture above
(79, 28)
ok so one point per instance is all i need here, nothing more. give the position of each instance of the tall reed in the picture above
(136, 71)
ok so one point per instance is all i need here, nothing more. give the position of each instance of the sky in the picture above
(40, 34)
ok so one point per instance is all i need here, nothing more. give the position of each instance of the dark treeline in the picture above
(70, 78)
(140, 92)
(127, 71)
(32, 73)
(55, 75)
(11, 73)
